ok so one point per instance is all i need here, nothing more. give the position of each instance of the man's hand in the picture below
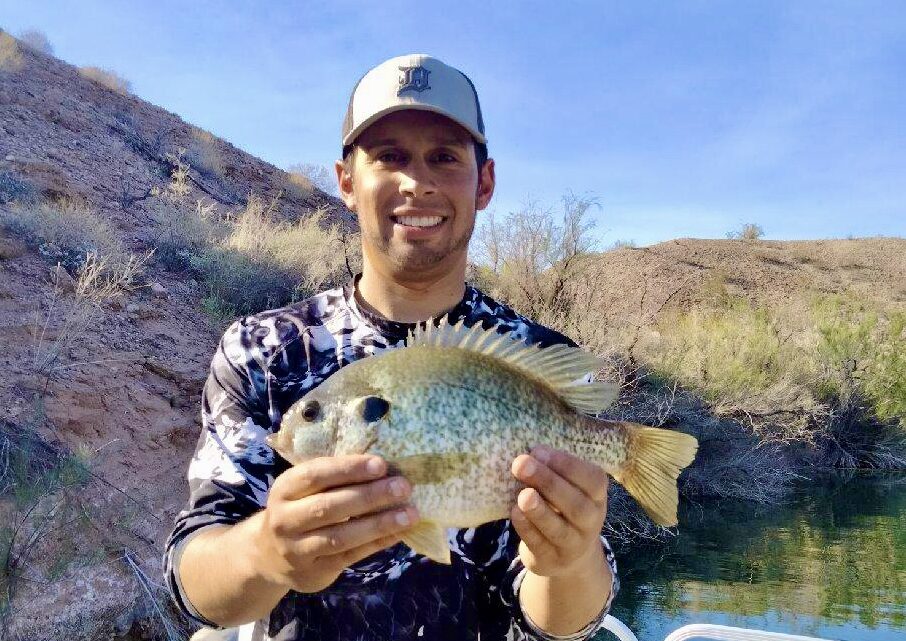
(326, 514)
(560, 514)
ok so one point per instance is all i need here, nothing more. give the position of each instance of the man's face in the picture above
(415, 186)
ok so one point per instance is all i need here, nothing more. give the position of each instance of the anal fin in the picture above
(430, 540)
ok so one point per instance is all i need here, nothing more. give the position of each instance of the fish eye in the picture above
(311, 410)
(374, 408)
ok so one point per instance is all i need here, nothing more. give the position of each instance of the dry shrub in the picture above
(203, 154)
(749, 231)
(263, 262)
(64, 321)
(65, 231)
(298, 185)
(37, 41)
(184, 228)
(10, 55)
(314, 175)
(107, 78)
(529, 259)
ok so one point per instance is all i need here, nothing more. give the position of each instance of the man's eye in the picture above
(390, 157)
(445, 158)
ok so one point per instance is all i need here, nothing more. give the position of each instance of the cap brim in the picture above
(354, 133)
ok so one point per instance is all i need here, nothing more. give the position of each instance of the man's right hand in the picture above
(326, 514)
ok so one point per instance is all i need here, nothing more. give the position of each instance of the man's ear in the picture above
(486, 182)
(344, 183)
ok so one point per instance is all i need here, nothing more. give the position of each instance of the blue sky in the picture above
(682, 119)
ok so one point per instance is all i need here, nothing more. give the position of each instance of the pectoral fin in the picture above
(430, 540)
(430, 469)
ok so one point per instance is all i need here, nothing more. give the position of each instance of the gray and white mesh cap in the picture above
(414, 81)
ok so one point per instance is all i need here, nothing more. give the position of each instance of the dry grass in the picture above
(14, 188)
(204, 155)
(10, 56)
(107, 78)
(263, 262)
(298, 185)
(65, 231)
(80, 243)
(64, 321)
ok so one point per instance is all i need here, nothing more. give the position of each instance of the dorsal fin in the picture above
(562, 368)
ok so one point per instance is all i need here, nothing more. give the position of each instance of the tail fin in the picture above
(655, 459)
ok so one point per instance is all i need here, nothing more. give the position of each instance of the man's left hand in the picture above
(560, 513)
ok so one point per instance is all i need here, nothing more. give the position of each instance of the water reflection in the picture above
(832, 563)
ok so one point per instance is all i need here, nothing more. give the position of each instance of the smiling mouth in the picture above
(418, 221)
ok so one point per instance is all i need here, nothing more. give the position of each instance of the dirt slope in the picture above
(136, 411)
(636, 283)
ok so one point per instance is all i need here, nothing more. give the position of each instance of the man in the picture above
(313, 551)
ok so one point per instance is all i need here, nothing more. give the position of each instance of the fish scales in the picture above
(446, 401)
(454, 408)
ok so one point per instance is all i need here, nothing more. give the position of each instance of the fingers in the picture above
(586, 476)
(535, 543)
(545, 522)
(324, 473)
(341, 561)
(573, 503)
(341, 504)
(346, 538)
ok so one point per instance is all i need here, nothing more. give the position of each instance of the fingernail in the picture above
(375, 466)
(398, 488)
(542, 454)
(402, 518)
(529, 467)
(532, 501)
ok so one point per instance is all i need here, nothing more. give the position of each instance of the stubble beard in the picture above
(416, 257)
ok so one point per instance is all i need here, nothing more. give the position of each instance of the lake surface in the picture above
(831, 563)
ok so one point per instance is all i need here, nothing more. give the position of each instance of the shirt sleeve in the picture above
(493, 548)
(232, 468)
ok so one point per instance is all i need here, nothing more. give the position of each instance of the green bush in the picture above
(862, 350)
(241, 284)
(724, 353)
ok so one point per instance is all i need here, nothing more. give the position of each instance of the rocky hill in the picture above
(637, 283)
(104, 443)
(125, 398)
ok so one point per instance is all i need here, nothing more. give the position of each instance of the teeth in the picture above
(418, 221)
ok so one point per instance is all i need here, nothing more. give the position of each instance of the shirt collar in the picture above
(396, 331)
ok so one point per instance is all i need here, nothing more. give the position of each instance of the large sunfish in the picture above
(452, 409)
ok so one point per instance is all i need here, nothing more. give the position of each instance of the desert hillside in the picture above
(99, 398)
(634, 283)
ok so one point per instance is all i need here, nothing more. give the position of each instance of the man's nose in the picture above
(416, 180)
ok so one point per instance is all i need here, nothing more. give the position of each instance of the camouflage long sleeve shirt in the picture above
(263, 364)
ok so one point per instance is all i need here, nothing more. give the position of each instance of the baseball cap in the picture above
(414, 81)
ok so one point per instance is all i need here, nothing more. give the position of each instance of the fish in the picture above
(456, 405)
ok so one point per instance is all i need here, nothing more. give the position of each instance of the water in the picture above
(831, 564)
